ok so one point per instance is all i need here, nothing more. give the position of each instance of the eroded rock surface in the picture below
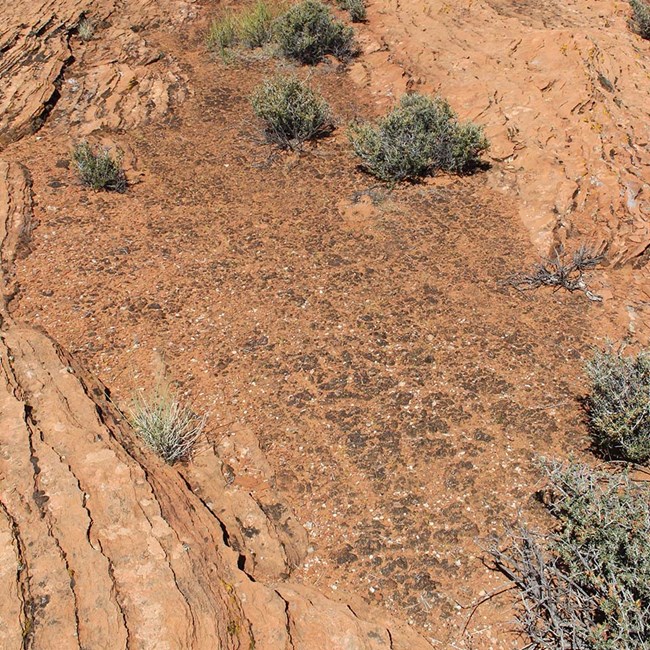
(116, 82)
(562, 90)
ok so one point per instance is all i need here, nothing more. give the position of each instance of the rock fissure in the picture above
(22, 578)
(289, 622)
(117, 599)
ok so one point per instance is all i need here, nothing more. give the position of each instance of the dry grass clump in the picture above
(248, 28)
(586, 586)
(418, 137)
(291, 111)
(86, 29)
(165, 425)
(619, 404)
(98, 169)
(305, 32)
(222, 33)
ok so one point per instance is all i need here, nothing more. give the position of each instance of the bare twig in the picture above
(560, 271)
(496, 592)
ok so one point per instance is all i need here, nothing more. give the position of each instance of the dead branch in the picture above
(560, 271)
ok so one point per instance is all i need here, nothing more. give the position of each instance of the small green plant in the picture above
(250, 28)
(356, 9)
(641, 17)
(165, 425)
(255, 26)
(98, 169)
(291, 111)
(419, 136)
(586, 586)
(308, 31)
(86, 29)
(619, 404)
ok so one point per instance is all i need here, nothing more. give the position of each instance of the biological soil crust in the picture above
(397, 389)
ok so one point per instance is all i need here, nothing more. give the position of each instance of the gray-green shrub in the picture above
(291, 111)
(586, 586)
(419, 136)
(98, 168)
(641, 17)
(619, 404)
(356, 9)
(308, 31)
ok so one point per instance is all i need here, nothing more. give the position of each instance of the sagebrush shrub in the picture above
(291, 111)
(419, 136)
(586, 586)
(619, 404)
(98, 169)
(356, 9)
(308, 31)
(165, 425)
(641, 17)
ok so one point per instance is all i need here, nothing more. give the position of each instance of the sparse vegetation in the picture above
(255, 26)
(250, 28)
(419, 136)
(619, 404)
(165, 425)
(356, 9)
(291, 111)
(98, 169)
(86, 29)
(222, 33)
(586, 586)
(308, 31)
(561, 271)
(641, 17)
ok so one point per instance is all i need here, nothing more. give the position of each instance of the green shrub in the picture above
(98, 169)
(307, 32)
(291, 111)
(419, 136)
(641, 17)
(356, 9)
(619, 404)
(587, 585)
(165, 425)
